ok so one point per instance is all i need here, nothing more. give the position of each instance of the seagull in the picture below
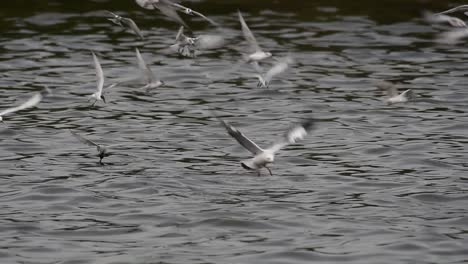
(125, 22)
(98, 96)
(441, 18)
(258, 54)
(264, 157)
(392, 93)
(281, 66)
(102, 150)
(33, 101)
(150, 78)
(165, 6)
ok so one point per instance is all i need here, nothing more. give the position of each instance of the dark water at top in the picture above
(371, 184)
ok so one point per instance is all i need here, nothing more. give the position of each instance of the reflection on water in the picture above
(372, 184)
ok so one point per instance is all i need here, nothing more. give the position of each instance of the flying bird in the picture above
(189, 46)
(150, 78)
(257, 54)
(102, 150)
(393, 96)
(461, 8)
(262, 158)
(125, 23)
(98, 96)
(189, 11)
(278, 68)
(33, 101)
(165, 6)
(441, 19)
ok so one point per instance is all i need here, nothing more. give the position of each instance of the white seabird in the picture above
(165, 6)
(393, 96)
(150, 78)
(264, 157)
(278, 68)
(257, 54)
(126, 23)
(98, 95)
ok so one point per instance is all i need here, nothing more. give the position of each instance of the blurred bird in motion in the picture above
(264, 157)
(256, 53)
(31, 102)
(150, 78)
(127, 23)
(393, 96)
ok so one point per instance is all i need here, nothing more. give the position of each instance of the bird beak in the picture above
(103, 98)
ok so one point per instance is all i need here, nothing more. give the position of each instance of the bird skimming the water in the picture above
(150, 77)
(264, 157)
(393, 96)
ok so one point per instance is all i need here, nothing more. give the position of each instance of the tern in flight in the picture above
(102, 150)
(165, 6)
(264, 157)
(170, 8)
(393, 96)
(125, 23)
(98, 96)
(150, 78)
(257, 54)
(278, 68)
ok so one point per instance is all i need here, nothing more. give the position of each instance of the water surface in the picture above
(372, 183)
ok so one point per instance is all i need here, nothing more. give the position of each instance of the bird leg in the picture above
(271, 174)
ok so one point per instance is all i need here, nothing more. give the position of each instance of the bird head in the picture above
(269, 159)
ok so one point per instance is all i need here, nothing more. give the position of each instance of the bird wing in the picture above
(408, 94)
(249, 37)
(116, 19)
(441, 18)
(193, 12)
(34, 100)
(455, 9)
(149, 75)
(278, 68)
(147, 4)
(84, 140)
(241, 138)
(389, 87)
(133, 26)
(206, 18)
(167, 9)
(294, 134)
(180, 34)
(99, 74)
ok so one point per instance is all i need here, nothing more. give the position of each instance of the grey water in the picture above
(372, 183)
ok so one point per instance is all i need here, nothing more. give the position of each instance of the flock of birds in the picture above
(188, 45)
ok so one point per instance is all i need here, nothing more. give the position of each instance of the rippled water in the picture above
(372, 183)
